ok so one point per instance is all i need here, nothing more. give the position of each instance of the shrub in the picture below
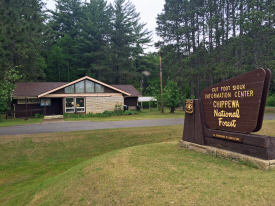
(74, 115)
(41, 116)
(108, 113)
(36, 115)
(118, 108)
(270, 100)
(65, 115)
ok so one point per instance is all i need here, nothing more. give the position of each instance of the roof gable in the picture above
(83, 78)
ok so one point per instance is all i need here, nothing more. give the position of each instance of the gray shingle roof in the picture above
(33, 89)
(129, 89)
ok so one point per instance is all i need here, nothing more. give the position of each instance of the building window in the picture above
(90, 86)
(80, 104)
(99, 88)
(29, 101)
(75, 105)
(69, 105)
(79, 87)
(86, 86)
(69, 89)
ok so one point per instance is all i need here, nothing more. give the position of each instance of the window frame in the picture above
(100, 86)
(28, 101)
(70, 107)
(85, 87)
(87, 80)
(75, 106)
(80, 107)
(72, 85)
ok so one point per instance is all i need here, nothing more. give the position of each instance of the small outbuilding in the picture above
(132, 100)
(147, 99)
(85, 95)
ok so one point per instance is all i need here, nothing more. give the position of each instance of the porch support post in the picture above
(26, 108)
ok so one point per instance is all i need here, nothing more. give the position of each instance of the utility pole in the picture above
(160, 76)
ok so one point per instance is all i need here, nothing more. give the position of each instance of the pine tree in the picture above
(21, 37)
(22, 33)
(93, 40)
(66, 16)
(128, 38)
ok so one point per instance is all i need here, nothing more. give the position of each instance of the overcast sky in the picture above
(148, 9)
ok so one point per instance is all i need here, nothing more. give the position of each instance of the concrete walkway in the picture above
(54, 126)
(51, 121)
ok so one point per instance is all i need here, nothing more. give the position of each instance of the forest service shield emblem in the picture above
(189, 106)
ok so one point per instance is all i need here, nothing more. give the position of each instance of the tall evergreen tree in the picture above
(93, 40)
(66, 16)
(21, 33)
(128, 37)
(21, 38)
(237, 37)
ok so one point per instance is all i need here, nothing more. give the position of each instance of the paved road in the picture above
(269, 116)
(76, 126)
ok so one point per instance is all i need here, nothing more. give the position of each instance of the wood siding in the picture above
(55, 108)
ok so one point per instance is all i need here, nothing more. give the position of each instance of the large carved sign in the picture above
(237, 104)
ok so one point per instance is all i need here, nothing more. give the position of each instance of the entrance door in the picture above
(55, 108)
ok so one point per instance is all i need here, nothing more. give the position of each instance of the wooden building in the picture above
(85, 95)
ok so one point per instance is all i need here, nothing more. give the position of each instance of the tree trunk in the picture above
(172, 109)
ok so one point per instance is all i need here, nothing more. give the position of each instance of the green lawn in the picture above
(133, 166)
(270, 110)
(158, 174)
(27, 161)
(144, 114)
(18, 121)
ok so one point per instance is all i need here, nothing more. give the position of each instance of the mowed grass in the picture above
(18, 121)
(26, 161)
(158, 174)
(133, 166)
(269, 110)
(144, 114)
(268, 128)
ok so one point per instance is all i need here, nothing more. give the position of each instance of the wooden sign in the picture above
(230, 110)
(237, 104)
